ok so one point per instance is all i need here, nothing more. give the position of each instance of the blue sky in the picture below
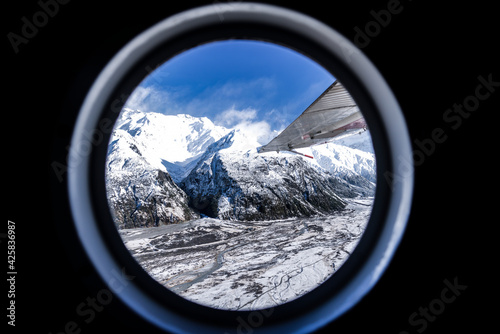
(234, 82)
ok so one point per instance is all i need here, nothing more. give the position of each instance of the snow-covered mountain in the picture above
(170, 142)
(350, 158)
(139, 194)
(166, 169)
(232, 181)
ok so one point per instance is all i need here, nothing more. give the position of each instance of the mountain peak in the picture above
(165, 139)
(220, 166)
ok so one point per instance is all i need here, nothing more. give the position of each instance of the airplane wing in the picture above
(333, 113)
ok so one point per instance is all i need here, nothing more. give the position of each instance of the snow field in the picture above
(249, 265)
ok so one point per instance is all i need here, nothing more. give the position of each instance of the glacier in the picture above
(241, 265)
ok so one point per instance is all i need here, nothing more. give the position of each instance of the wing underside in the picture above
(333, 113)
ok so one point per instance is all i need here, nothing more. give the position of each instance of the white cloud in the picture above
(258, 131)
(231, 94)
(231, 117)
(207, 101)
(152, 99)
(245, 121)
(148, 99)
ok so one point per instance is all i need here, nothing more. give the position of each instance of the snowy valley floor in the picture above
(236, 265)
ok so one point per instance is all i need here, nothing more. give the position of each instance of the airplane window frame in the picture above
(86, 187)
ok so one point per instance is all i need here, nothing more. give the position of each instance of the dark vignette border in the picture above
(308, 310)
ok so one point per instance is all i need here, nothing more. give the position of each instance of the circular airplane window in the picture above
(240, 174)
(228, 166)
